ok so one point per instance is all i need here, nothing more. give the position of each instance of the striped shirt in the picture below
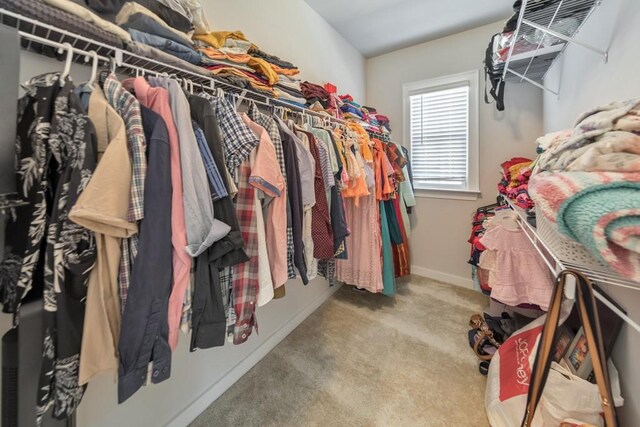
(218, 190)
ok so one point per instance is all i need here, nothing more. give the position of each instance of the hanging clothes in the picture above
(363, 269)
(294, 189)
(384, 189)
(121, 235)
(307, 178)
(157, 99)
(266, 177)
(68, 147)
(129, 109)
(246, 275)
(401, 259)
(322, 233)
(144, 337)
(396, 226)
(211, 292)
(278, 233)
(102, 208)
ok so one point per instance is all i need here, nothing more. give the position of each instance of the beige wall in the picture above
(585, 81)
(292, 30)
(440, 227)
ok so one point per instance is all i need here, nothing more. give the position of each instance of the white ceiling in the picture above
(375, 27)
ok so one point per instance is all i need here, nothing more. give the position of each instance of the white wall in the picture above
(293, 31)
(585, 81)
(440, 228)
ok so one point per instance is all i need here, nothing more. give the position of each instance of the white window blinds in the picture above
(439, 131)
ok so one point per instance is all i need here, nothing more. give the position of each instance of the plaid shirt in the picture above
(226, 287)
(274, 133)
(128, 107)
(218, 190)
(245, 275)
(238, 139)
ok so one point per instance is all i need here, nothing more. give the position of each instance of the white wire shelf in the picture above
(597, 273)
(45, 39)
(559, 260)
(539, 22)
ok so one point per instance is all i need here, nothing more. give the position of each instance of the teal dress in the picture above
(388, 274)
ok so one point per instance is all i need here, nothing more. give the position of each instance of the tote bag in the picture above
(512, 372)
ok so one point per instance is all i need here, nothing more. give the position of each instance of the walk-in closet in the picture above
(319, 213)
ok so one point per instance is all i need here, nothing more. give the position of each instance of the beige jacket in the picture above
(90, 17)
(102, 207)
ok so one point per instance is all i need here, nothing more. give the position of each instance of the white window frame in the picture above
(472, 190)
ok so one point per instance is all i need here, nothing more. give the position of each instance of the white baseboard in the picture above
(212, 393)
(463, 282)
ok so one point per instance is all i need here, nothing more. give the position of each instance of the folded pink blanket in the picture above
(601, 210)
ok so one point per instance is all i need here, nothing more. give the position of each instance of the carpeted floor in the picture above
(367, 360)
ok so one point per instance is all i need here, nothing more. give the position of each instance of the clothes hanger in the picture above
(240, 98)
(67, 63)
(94, 68)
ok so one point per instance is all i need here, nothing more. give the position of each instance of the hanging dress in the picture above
(396, 224)
(384, 189)
(363, 269)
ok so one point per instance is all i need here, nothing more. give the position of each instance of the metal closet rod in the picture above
(119, 60)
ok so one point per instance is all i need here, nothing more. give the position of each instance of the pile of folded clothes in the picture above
(70, 16)
(378, 122)
(515, 181)
(351, 109)
(313, 93)
(587, 183)
(178, 33)
(175, 32)
(233, 55)
(157, 29)
(290, 89)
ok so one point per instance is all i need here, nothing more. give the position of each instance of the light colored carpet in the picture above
(367, 360)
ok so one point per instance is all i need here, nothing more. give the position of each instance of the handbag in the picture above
(590, 322)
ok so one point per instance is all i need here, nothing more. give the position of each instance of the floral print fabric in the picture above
(56, 153)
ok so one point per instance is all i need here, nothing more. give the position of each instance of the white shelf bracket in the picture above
(566, 38)
(533, 82)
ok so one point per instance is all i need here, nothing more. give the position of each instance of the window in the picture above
(441, 124)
